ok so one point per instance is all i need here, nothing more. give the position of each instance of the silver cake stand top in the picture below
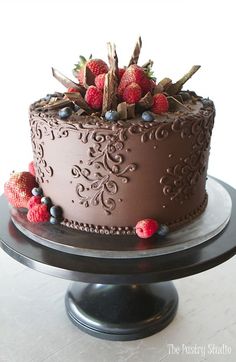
(58, 237)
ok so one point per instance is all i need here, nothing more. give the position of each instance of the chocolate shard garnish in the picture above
(122, 110)
(130, 110)
(58, 104)
(80, 112)
(175, 99)
(158, 89)
(111, 82)
(68, 83)
(79, 100)
(165, 83)
(146, 101)
(89, 77)
(136, 52)
(176, 87)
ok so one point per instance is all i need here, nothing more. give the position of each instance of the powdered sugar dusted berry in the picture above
(146, 228)
(38, 213)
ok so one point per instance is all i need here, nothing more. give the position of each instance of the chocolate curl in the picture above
(68, 83)
(176, 87)
(136, 52)
(111, 81)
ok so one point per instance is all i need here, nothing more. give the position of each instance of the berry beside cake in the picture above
(120, 152)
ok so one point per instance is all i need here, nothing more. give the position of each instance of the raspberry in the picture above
(94, 97)
(31, 168)
(160, 103)
(146, 228)
(132, 93)
(38, 213)
(34, 200)
(100, 80)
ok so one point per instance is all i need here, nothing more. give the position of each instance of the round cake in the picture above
(118, 152)
(107, 176)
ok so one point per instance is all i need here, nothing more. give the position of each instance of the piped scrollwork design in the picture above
(180, 180)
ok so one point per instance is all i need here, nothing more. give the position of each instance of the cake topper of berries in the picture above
(131, 90)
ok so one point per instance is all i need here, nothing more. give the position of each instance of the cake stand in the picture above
(123, 290)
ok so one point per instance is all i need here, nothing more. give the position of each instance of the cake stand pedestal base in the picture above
(121, 312)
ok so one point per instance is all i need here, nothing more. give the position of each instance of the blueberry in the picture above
(207, 102)
(147, 116)
(163, 230)
(76, 107)
(54, 220)
(112, 116)
(65, 112)
(37, 191)
(47, 201)
(56, 211)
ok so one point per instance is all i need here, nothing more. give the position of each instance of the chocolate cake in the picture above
(107, 176)
(118, 152)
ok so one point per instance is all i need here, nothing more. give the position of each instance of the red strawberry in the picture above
(97, 66)
(31, 168)
(18, 188)
(146, 228)
(34, 200)
(120, 72)
(132, 93)
(134, 74)
(38, 213)
(72, 90)
(99, 81)
(160, 103)
(94, 97)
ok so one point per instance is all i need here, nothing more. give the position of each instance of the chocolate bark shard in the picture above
(165, 83)
(130, 110)
(89, 77)
(58, 104)
(146, 102)
(111, 82)
(158, 89)
(176, 87)
(136, 52)
(68, 83)
(122, 110)
(79, 100)
(178, 101)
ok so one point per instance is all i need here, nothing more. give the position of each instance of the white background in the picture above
(36, 35)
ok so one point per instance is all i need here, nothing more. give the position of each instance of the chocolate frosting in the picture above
(109, 175)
